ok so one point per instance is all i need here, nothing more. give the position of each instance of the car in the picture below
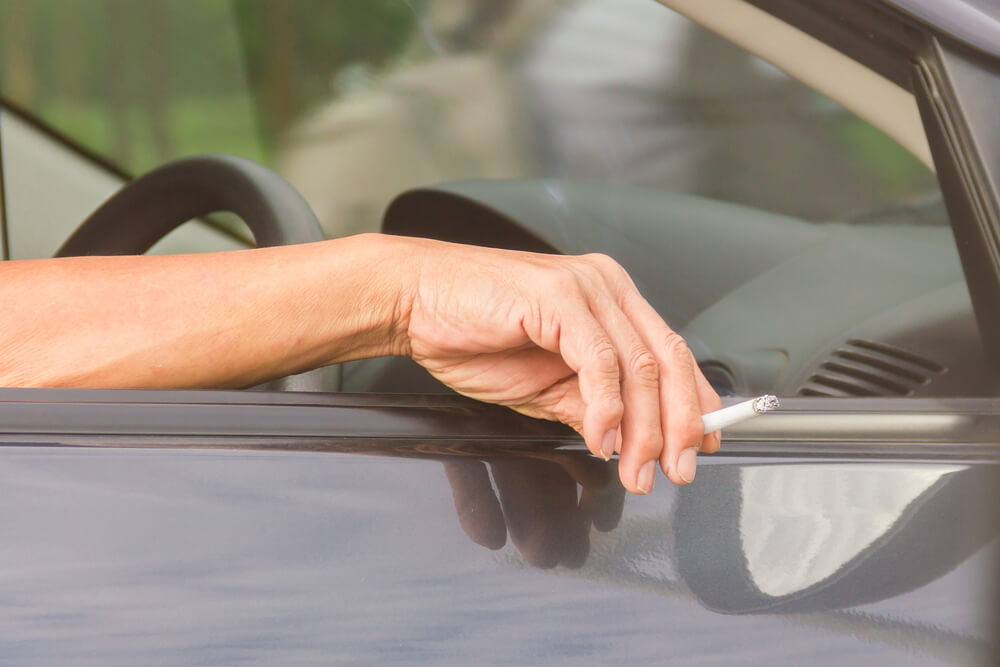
(363, 514)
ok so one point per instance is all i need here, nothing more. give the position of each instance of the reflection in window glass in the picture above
(136, 82)
(355, 101)
(49, 189)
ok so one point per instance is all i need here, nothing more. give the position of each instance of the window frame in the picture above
(957, 87)
(95, 160)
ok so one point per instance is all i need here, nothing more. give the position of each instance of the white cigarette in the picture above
(734, 414)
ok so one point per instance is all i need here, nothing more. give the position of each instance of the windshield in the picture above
(354, 102)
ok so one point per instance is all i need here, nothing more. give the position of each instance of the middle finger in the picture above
(642, 429)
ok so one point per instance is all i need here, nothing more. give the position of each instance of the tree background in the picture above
(141, 81)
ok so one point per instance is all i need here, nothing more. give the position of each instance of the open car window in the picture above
(797, 249)
(35, 168)
(355, 104)
(50, 188)
(834, 275)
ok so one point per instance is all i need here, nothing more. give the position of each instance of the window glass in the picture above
(356, 101)
(49, 189)
(136, 82)
(859, 292)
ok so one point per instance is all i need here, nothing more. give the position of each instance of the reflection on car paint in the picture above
(226, 555)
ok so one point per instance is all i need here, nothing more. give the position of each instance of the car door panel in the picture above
(137, 555)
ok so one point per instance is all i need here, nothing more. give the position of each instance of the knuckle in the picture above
(604, 357)
(604, 262)
(713, 402)
(607, 390)
(690, 432)
(588, 274)
(612, 409)
(557, 280)
(651, 437)
(642, 364)
(675, 346)
(612, 273)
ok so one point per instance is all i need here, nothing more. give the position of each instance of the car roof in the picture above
(972, 22)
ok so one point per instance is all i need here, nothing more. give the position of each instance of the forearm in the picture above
(229, 320)
(566, 338)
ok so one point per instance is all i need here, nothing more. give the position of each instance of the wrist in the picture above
(396, 266)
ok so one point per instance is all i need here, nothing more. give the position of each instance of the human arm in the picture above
(231, 319)
(554, 337)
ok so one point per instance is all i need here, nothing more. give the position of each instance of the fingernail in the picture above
(645, 479)
(687, 463)
(608, 444)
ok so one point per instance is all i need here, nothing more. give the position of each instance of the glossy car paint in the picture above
(434, 530)
(202, 527)
(129, 556)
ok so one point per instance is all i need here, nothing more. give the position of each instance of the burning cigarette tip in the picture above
(735, 414)
(765, 403)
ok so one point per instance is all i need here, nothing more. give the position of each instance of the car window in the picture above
(49, 189)
(857, 291)
(37, 168)
(354, 102)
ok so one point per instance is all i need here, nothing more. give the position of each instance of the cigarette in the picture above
(734, 414)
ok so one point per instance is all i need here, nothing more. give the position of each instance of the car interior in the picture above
(779, 204)
(869, 303)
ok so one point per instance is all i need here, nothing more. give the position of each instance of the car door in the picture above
(146, 527)
(222, 526)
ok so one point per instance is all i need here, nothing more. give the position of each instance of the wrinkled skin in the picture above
(569, 339)
(564, 338)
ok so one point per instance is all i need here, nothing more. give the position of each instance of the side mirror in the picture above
(808, 537)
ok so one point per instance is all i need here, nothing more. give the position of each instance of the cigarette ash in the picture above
(766, 403)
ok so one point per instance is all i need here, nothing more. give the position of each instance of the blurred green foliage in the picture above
(293, 49)
(142, 81)
(896, 167)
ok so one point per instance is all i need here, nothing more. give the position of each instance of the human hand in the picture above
(536, 503)
(563, 338)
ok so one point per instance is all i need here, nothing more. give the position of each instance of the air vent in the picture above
(868, 368)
